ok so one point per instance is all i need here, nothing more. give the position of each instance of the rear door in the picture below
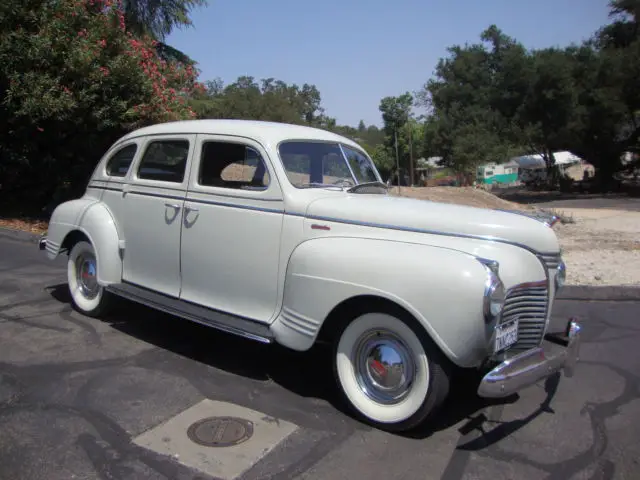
(152, 209)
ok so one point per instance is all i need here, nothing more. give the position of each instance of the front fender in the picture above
(94, 220)
(440, 287)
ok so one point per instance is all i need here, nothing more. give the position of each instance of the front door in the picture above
(153, 208)
(231, 230)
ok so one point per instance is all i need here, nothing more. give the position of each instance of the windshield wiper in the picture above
(320, 185)
(375, 183)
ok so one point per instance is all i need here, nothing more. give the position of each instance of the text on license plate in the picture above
(506, 335)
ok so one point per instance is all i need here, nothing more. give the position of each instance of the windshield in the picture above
(320, 164)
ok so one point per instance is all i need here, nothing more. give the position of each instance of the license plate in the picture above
(506, 335)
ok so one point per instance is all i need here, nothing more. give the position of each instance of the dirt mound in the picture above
(473, 197)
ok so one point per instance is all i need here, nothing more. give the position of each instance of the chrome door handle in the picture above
(172, 205)
(191, 209)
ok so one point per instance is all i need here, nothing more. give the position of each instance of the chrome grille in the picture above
(527, 303)
(551, 260)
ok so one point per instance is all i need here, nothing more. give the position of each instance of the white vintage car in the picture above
(286, 234)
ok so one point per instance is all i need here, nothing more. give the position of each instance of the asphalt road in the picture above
(558, 200)
(75, 392)
(629, 204)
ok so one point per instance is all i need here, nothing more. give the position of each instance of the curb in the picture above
(615, 293)
(20, 235)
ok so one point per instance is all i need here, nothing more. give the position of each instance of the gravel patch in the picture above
(602, 247)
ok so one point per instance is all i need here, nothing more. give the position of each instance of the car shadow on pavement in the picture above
(306, 374)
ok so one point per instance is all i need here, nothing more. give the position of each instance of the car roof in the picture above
(267, 133)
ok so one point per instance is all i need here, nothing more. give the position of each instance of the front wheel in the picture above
(88, 296)
(390, 371)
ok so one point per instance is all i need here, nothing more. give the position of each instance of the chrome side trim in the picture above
(302, 324)
(225, 322)
(202, 201)
(157, 195)
(487, 238)
(232, 205)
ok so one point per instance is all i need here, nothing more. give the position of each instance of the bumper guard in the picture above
(557, 352)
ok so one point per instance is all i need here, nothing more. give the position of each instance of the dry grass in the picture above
(24, 224)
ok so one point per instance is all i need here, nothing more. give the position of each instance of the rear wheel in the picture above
(390, 371)
(88, 296)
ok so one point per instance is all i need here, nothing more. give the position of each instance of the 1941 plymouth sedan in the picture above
(286, 234)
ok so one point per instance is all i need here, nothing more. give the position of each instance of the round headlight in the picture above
(561, 275)
(493, 297)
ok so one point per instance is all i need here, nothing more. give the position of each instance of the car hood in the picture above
(432, 217)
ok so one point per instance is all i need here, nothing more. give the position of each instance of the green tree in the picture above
(267, 99)
(384, 160)
(157, 18)
(72, 80)
(475, 100)
(396, 112)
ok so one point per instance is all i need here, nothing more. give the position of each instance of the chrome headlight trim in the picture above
(494, 291)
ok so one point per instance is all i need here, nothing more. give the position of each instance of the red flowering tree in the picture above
(72, 79)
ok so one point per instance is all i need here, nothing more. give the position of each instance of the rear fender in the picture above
(94, 220)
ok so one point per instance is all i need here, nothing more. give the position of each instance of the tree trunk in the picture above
(608, 165)
(552, 170)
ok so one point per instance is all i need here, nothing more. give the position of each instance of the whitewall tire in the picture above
(87, 295)
(389, 371)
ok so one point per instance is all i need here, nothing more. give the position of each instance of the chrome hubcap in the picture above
(87, 276)
(384, 366)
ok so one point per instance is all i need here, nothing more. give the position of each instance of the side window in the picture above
(119, 163)
(232, 165)
(164, 160)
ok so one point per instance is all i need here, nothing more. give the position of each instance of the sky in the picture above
(358, 51)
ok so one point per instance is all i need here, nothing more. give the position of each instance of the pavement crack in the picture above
(92, 334)
(27, 322)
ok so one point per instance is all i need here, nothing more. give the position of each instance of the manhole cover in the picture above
(220, 431)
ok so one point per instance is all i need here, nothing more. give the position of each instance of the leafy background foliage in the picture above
(77, 74)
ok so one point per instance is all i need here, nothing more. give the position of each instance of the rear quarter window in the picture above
(119, 163)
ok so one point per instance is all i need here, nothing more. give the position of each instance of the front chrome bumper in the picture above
(557, 352)
(42, 243)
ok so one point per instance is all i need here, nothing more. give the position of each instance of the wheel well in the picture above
(71, 239)
(354, 307)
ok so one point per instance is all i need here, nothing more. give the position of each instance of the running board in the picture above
(211, 318)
